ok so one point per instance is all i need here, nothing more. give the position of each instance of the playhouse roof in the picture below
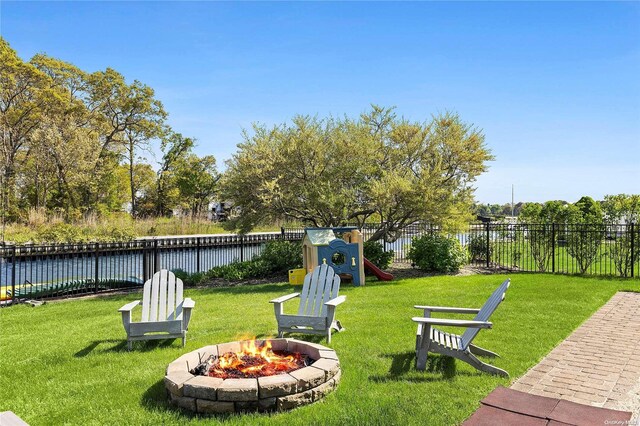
(320, 236)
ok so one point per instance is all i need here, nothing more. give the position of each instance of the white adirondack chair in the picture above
(165, 315)
(430, 339)
(318, 301)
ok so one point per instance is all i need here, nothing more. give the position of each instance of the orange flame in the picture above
(255, 360)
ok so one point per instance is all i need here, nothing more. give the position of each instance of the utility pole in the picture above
(512, 211)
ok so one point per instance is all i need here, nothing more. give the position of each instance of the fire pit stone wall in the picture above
(212, 395)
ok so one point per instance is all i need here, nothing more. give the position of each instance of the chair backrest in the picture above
(162, 297)
(485, 312)
(320, 286)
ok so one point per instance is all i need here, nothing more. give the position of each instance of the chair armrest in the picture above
(335, 302)
(129, 306)
(453, 322)
(284, 298)
(188, 303)
(448, 309)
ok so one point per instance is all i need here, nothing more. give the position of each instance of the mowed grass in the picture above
(603, 264)
(67, 363)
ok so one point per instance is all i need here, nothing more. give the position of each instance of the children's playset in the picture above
(340, 248)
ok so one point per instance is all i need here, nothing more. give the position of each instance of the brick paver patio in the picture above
(599, 364)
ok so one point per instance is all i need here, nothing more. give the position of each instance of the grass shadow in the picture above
(312, 338)
(120, 345)
(156, 398)
(439, 367)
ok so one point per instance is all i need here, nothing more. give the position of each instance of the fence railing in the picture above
(56, 270)
(591, 249)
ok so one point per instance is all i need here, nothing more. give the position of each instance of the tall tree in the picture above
(22, 96)
(175, 148)
(197, 180)
(332, 171)
(129, 116)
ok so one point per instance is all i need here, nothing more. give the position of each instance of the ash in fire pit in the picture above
(277, 374)
(252, 362)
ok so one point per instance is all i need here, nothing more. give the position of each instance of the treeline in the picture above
(73, 143)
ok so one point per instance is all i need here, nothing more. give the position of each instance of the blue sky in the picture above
(554, 86)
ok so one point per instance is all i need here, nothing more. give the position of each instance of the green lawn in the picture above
(503, 254)
(66, 362)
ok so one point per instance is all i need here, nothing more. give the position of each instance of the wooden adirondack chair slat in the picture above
(146, 302)
(171, 300)
(430, 339)
(318, 300)
(162, 310)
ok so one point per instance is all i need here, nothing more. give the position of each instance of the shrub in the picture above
(374, 251)
(282, 255)
(277, 256)
(189, 279)
(61, 233)
(437, 253)
(256, 268)
(478, 248)
(116, 234)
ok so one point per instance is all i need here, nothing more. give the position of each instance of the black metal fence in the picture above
(42, 271)
(590, 249)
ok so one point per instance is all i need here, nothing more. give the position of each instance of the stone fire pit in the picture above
(212, 395)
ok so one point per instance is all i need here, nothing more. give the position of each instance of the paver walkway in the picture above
(511, 407)
(599, 364)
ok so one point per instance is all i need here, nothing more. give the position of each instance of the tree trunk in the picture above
(131, 179)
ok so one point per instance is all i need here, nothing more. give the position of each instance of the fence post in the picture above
(156, 257)
(633, 252)
(553, 248)
(198, 254)
(13, 275)
(145, 262)
(282, 232)
(488, 253)
(241, 248)
(96, 270)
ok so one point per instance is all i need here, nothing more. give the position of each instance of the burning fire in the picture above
(254, 361)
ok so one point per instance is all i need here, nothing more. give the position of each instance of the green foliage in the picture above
(73, 144)
(282, 255)
(188, 279)
(234, 271)
(276, 257)
(330, 171)
(541, 218)
(197, 179)
(623, 208)
(374, 251)
(584, 232)
(437, 253)
(61, 233)
(68, 233)
(478, 248)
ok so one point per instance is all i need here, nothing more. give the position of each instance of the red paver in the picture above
(491, 416)
(510, 407)
(598, 364)
(580, 414)
(521, 402)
